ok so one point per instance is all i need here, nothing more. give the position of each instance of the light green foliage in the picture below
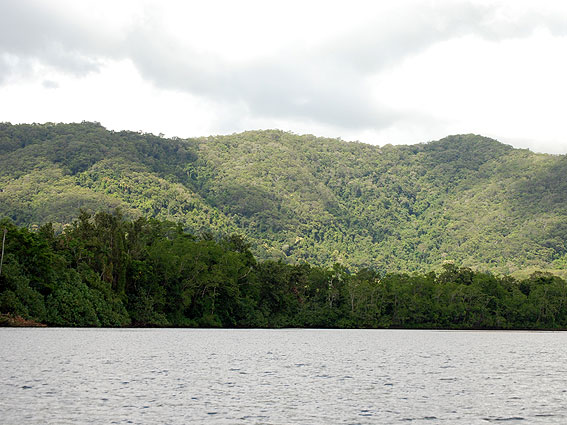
(467, 198)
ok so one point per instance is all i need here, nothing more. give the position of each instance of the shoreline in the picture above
(8, 321)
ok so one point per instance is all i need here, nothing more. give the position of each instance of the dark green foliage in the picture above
(106, 270)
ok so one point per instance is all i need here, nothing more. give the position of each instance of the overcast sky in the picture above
(378, 72)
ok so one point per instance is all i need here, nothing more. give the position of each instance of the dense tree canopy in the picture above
(106, 270)
(466, 199)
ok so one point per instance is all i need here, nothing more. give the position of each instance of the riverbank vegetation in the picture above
(107, 270)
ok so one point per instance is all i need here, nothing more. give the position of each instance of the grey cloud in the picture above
(388, 39)
(326, 85)
(14, 65)
(327, 95)
(48, 84)
(286, 87)
(31, 31)
(5, 69)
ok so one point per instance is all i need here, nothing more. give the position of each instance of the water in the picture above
(180, 376)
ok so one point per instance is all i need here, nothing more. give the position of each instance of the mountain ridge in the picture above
(464, 198)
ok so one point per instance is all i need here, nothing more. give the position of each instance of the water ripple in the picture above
(178, 376)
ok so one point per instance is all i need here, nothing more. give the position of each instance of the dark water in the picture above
(150, 376)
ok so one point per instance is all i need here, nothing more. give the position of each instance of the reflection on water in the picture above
(178, 376)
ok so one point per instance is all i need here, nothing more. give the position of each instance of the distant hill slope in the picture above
(465, 198)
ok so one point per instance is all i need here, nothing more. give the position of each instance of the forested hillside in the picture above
(464, 198)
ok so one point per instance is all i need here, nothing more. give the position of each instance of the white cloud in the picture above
(117, 96)
(512, 90)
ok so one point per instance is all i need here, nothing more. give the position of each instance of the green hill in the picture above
(464, 198)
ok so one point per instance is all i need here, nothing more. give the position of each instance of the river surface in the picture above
(182, 376)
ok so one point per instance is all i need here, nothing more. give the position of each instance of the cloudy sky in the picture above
(377, 72)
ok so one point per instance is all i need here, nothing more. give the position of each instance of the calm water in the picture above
(156, 376)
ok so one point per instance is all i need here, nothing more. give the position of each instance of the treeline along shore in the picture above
(106, 270)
